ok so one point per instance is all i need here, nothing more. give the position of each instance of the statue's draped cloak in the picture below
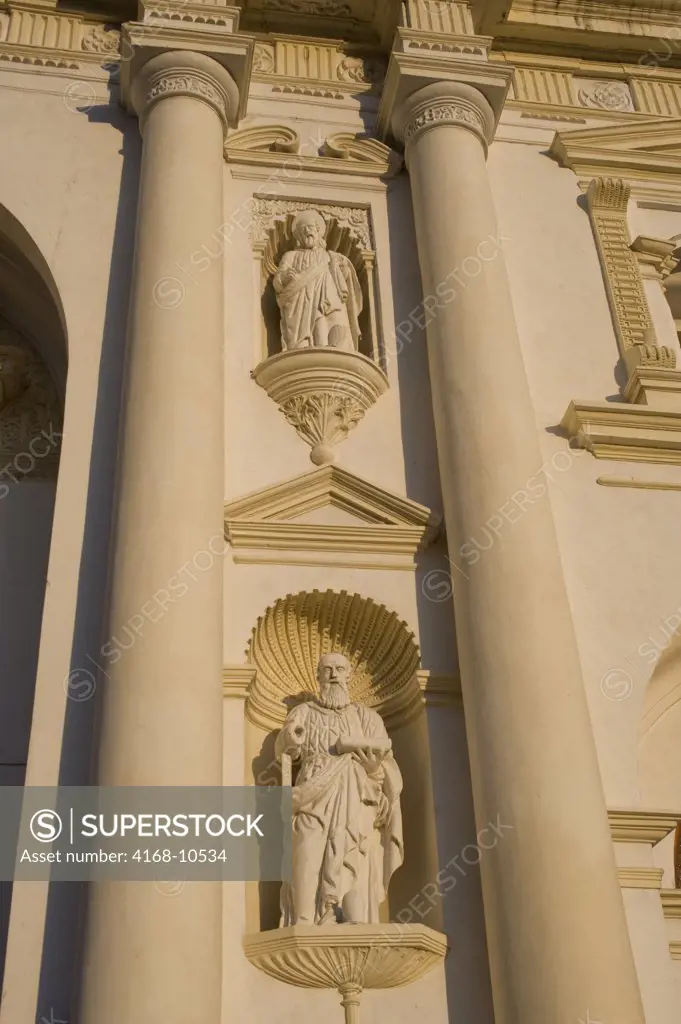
(353, 819)
(325, 285)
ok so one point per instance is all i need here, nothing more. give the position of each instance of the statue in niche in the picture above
(317, 290)
(347, 823)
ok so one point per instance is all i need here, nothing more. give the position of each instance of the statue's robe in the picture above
(325, 286)
(356, 816)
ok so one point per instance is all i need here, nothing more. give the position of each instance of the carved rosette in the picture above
(444, 103)
(323, 393)
(185, 74)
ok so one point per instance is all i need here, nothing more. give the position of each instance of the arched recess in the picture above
(285, 646)
(33, 361)
(659, 752)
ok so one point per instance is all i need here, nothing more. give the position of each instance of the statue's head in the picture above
(333, 676)
(309, 229)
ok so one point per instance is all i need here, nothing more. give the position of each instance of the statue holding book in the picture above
(347, 824)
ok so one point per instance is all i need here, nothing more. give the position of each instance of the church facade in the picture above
(341, 338)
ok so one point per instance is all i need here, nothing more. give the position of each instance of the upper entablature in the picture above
(616, 29)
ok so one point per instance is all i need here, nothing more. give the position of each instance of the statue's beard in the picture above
(334, 695)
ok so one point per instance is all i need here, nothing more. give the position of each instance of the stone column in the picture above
(153, 954)
(558, 942)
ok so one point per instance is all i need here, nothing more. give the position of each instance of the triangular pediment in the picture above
(328, 517)
(646, 153)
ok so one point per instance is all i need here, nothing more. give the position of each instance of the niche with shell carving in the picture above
(323, 390)
(284, 649)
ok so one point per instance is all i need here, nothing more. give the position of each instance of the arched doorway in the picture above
(33, 359)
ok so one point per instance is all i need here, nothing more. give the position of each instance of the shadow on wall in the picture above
(60, 979)
(466, 969)
(659, 749)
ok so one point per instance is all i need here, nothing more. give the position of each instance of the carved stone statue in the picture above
(318, 291)
(347, 823)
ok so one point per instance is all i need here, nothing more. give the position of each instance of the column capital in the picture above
(184, 73)
(444, 103)
(410, 72)
(214, 65)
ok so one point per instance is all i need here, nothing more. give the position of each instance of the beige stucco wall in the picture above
(69, 176)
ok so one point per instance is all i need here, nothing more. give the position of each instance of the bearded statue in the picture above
(347, 824)
(318, 291)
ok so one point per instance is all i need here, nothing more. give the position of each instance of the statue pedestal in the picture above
(348, 957)
(322, 392)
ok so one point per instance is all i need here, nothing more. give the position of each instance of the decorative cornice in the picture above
(623, 432)
(185, 74)
(640, 878)
(675, 949)
(641, 826)
(646, 154)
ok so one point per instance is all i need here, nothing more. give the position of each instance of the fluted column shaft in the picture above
(150, 957)
(558, 942)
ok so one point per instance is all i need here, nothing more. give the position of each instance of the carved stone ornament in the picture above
(605, 95)
(444, 111)
(186, 74)
(381, 648)
(323, 393)
(321, 8)
(102, 39)
(607, 201)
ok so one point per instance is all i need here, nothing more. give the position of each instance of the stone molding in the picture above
(439, 690)
(293, 633)
(388, 532)
(607, 201)
(631, 826)
(237, 681)
(671, 904)
(185, 74)
(655, 256)
(646, 154)
(640, 878)
(624, 432)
